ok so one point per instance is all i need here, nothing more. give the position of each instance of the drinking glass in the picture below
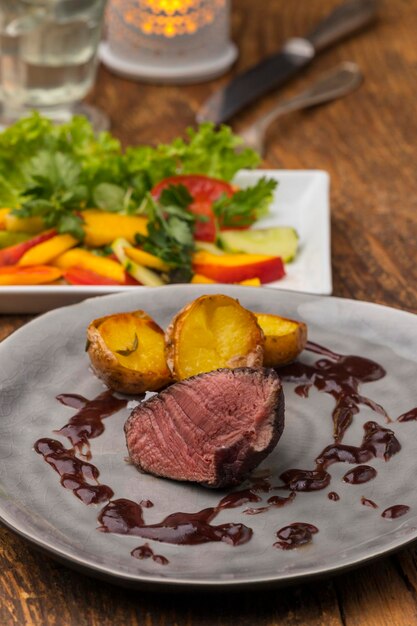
(48, 58)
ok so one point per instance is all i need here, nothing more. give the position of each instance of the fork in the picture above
(334, 84)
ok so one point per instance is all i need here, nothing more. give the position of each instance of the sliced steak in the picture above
(212, 428)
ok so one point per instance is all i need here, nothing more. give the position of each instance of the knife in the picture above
(296, 53)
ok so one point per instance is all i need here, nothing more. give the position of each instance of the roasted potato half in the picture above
(284, 338)
(127, 351)
(211, 332)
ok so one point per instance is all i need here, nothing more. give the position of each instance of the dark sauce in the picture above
(242, 496)
(367, 502)
(87, 423)
(295, 535)
(332, 495)
(146, 552)
(377, 442)
(146, 504)
(410, 416)
(272, 502)
(359, 475)
(237, 498)
(305, 480)
(339, 376)
(124, 517)
(75, 474)
(398, 510)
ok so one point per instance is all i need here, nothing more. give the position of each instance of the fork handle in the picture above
(335, 84)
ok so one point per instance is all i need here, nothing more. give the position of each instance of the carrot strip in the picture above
(34, 275)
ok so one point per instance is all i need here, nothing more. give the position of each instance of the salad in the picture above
(79, 210)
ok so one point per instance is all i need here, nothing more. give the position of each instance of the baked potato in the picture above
(211, 332)
(127, 351)
(284, 338)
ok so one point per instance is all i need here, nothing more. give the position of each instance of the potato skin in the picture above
(281, 349)
(173, 339)
(115, 375)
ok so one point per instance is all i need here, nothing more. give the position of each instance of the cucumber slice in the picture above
(277, 241)
(143, 274)
(208, 247)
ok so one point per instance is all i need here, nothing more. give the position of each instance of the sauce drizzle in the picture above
(359, 475)
(410, 416)
(87, 423)
(295, 535)
(398, 510)
(367, 502)
(74, 472)
(124, 517)
(377, 442)
(339, 376)
(146, 552)
(272, 502)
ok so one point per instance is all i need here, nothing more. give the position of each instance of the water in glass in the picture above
(48, 52)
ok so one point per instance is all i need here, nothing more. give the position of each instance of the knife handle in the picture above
(343, 21)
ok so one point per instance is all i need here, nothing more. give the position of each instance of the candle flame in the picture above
(168, 18)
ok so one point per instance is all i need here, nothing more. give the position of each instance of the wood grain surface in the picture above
(368, 144)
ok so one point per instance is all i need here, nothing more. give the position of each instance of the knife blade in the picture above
(296, 53)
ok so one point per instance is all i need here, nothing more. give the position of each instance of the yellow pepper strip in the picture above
(48, 250)
(16, 224)
(229, 259)
(102, 228)
(146, 259)
(3, 213)
(144, 275)
(89, 261)
(251, 282)
(34, 275)
(200, 279)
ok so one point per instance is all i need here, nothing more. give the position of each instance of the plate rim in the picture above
(145, 581)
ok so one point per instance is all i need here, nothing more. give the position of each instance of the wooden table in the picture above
(368, 143)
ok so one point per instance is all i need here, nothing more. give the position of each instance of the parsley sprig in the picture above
(246, 205)
(170, 231)
(54, 191)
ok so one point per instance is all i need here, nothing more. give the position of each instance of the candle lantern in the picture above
(175, 41)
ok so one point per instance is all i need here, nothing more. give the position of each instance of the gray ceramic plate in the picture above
(47, 357)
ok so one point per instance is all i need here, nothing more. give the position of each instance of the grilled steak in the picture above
(213, 428)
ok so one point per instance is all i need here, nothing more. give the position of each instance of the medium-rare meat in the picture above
(213, 428)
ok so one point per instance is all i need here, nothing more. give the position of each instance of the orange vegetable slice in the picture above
(102, 228)
(89, 261)
(33, 275)
(46, 251)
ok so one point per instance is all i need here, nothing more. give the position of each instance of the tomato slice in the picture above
(204, 191)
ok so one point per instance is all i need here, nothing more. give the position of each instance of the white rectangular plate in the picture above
(301, 200)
